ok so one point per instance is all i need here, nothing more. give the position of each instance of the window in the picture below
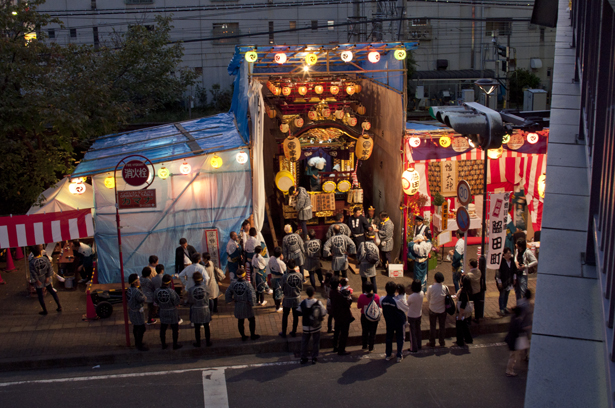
(93, 4)
(95, 33)
(498, 28)
(331, 25)
(73, 33)
(419, 22)
(271, 32)
(226, 30)
(133, 2)
(314, 25)
(51, 33)
(292, 25)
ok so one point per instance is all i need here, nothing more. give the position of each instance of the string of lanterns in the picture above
(311, 58)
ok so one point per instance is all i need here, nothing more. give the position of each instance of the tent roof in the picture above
(168, 142)
(58, 198)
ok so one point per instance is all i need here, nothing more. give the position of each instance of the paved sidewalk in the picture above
(33, 341)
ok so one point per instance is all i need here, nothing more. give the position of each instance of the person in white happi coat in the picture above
(293, 248)
(242, 293)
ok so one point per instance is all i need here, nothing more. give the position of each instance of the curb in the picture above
(121, 355)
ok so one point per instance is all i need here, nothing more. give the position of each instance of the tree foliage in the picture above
(55, 99)
(520, 79)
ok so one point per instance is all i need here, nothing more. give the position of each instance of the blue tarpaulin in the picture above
(209, 199)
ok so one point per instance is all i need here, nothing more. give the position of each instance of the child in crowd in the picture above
(328, 277)
(259, 268)
(345, 289)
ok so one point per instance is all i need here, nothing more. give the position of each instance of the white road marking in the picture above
(222, 369)
(214, 389)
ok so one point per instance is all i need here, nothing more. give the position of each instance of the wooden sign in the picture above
(445, 215)
(136, 199)
(449, 178)
(213, 245)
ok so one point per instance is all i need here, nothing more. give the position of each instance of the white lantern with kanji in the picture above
(410, 181)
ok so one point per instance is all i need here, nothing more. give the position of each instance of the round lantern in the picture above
(185, 168)
(366, 125)
(339, 114)
(326, 112)
(445, 141)
(286, 91)
(532, 138)
(284, 180)
(364, 146)
(495, 154)
(414, 141)
(280, 58)
(542, 180)
(76, 188)
(358, 88)
(276, 91)
(251, 56)
(400, 54)
(350, 89)
(410, 181)
(271, 112)
(361, 109)
(216, 161)
(298, 122)
(318, 89)
(312, 115)
(346, 56)
(506, 139)
(292, 148)
(334, 90)
(515, 142)
(284, 127)
(163, 173)
(311, 59)
(460, 144)
(302, 90)
(242, 157)
(373, 57)
(109, 182)
(352, 121)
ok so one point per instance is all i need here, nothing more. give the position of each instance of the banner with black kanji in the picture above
(498, 208)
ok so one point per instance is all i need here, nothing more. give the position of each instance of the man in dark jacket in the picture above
(504, 278)
(395, 319)
(340, 309)
(183, 255)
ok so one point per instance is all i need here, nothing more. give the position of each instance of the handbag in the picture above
(220, 276)
(522, 342)
(468, 310)
(449, 303)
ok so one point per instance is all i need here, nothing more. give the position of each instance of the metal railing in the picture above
(594, 34)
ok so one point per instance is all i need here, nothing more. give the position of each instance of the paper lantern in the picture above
(361, 109)
(302, 90)
(76, 188)
(280, 58)
(284, 127)
(311, 59)
(532, 138)
(185, 168)
(352, 121)
(277, 91)
(251, 56)
(542, 180)
(216, 161)
(495, 154)
(358, 88)
(339, 114)
(366, 125)
(400, 54)
(460, 144)
(292, 148)
(313, 115)
(373, 57)
(334, 90)
(363, 147)
(242, 157)
(410, 181)
(286, 91)
(516, 141)
(506, 139)
(445, 141)
(298, 122)
(350, 89)
(414, 141)
(346, 56)
(163, 173)
(319, 89)
(326, 112)
(109, 182)
(271, 112)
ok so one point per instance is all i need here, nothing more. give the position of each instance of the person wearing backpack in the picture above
(369, 256)
(312, 313)
(369, 304)
(395, 319)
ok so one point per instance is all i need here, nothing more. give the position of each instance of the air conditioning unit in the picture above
(493, 100)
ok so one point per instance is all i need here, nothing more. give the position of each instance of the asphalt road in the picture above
(449, 377)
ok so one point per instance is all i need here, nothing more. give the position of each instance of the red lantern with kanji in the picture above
(318, 89)
(299, 122)
(313, 115)
(335, 90)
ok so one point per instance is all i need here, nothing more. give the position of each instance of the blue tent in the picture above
(204, 205)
